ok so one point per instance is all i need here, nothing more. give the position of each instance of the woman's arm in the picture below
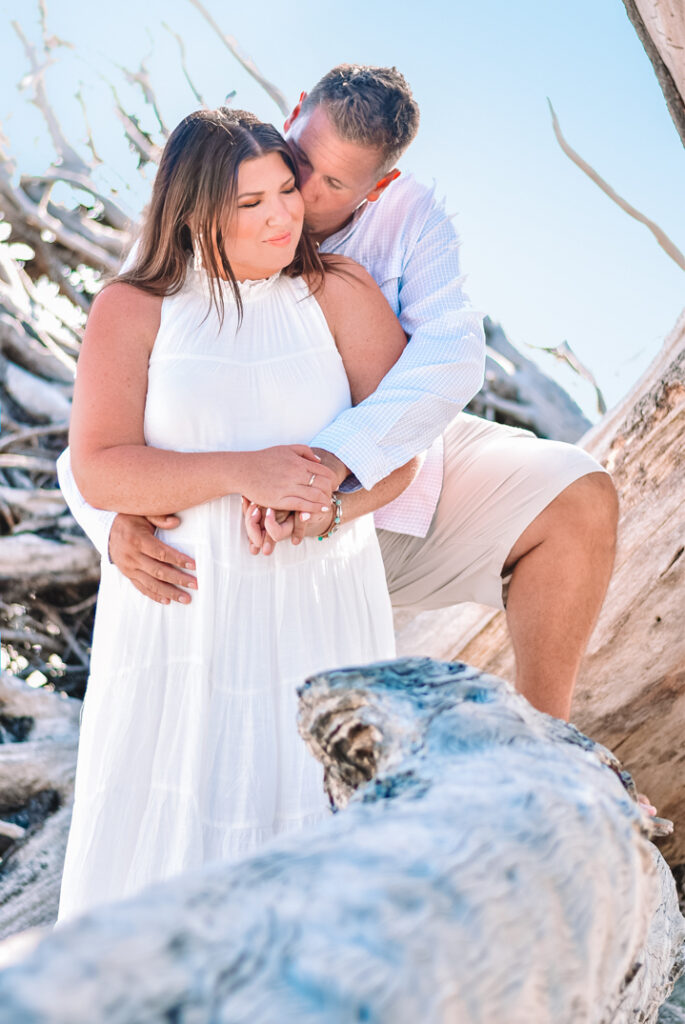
(367, 333)
(114, 468)
(370, 341)
(265, 530)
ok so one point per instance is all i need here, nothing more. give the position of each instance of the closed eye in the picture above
(256, 202)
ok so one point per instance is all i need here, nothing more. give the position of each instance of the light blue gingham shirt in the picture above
(409, 246)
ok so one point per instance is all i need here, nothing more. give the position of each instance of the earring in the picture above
(197, 254)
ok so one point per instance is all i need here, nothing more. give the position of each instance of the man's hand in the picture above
(267, 527)
(334, 464)
(152, 567)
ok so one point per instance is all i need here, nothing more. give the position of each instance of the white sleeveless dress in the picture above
(189, 750)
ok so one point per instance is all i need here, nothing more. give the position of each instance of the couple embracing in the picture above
(268, 449)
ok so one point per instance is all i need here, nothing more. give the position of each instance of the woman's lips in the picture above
(280, 239)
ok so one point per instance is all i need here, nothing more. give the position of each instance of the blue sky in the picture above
(547, 254)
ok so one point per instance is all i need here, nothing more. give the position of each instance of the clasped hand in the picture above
(266, 527)
(288, 477)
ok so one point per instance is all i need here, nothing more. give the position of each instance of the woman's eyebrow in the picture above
(261, 191)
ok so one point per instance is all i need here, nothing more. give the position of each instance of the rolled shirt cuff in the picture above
(358, 452)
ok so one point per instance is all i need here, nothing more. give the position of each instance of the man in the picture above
(495, 515)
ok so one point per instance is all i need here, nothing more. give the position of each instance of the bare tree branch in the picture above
(112, 212)
(231, 44)
(97, 159)
(141, 142)
(70, 158)
(50, 42)
(141, 78)
(42, 220)
(565, 354)
(25, 435)
(186, 74)
(662, 238)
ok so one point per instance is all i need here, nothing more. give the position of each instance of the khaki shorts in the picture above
(497, 479)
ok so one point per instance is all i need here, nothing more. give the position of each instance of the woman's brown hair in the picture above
(197, 182)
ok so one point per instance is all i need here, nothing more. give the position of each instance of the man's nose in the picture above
(304, 172)
(309, 187)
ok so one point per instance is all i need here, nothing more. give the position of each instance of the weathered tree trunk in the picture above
(38, 743)
(660, 25)
(631, 690)
(491, 864)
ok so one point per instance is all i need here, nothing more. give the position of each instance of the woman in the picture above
(228, 342)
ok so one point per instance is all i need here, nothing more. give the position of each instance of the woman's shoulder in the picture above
(342, 272)
(120, 303)
(344, 281)
(348, 294)
(122, 297)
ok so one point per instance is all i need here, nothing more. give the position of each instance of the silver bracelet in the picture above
(337, 519)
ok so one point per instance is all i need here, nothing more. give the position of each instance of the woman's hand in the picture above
(288, 477)
(267, 527)
(280, 526)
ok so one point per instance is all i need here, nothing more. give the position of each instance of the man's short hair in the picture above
(369, 105)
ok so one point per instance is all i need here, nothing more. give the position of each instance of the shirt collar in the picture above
(337, 239)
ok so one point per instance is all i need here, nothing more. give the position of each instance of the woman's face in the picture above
(263, 233)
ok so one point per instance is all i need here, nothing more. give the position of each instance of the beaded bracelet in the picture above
(337, 519)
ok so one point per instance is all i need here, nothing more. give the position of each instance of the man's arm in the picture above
(438, 373)
(96, 523)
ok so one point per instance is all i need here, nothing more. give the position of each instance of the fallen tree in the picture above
(489, 864)
(631, 688)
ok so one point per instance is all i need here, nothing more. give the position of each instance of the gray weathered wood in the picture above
(660, 26)
(631, 688)
(489, 864)
(38, 744)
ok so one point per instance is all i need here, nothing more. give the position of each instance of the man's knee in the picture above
(588, 510)
(582, 516)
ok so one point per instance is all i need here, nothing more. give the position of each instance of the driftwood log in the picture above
(631, 689)
(38, 744)
(490, 864)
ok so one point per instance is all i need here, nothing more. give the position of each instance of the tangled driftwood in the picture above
(491, 864)
(38, 743)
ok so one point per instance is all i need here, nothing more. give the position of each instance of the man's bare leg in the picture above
(562, 564)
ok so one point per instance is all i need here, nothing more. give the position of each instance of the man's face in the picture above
(336, 175)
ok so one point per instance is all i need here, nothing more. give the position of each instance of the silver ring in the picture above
(311, 479)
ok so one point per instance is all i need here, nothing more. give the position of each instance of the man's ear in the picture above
(296, 110)
(380, 186)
